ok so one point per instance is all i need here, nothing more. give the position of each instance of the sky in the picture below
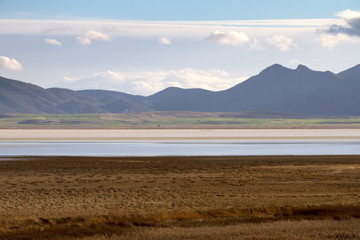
(142, 46)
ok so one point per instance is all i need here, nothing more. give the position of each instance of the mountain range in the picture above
(276, 88)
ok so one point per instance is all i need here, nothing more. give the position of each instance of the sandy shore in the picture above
(175, 134)
(49, 190)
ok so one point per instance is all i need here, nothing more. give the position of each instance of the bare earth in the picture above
(53, 197)
(174, 134)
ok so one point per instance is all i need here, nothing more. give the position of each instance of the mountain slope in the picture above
(178, 99)
(19, 97)
(68, 101)
(117, 102)
(351, 73)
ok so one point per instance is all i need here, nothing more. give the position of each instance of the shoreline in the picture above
(177, 134)
(262, 158)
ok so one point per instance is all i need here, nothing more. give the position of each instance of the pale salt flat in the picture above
(176, 134)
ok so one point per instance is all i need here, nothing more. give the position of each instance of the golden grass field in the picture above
(257, 197)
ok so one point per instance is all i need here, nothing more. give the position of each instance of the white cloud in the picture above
(256, 45)
(346, 31)
(83, 40)
(53, 42)
(72, 79)
(87, 38)
(350, 24)
(349, 14)
(231, 38)
(330, 41)
(7, 63)
(293, 62)
(149, 82)
(283, 43)
(164, 41)
(96, 36)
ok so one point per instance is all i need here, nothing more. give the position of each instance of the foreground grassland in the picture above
(272, 197)
(304, 230)
(175, 120)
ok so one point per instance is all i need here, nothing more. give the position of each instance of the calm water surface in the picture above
(180, 148)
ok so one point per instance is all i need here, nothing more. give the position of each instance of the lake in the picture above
(180, 148)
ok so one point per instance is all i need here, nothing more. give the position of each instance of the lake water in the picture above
(179, 148)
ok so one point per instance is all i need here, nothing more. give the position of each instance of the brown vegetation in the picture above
(50, 197)
(299, 230)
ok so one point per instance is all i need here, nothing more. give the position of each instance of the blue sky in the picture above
(175, 10)
(141, 47)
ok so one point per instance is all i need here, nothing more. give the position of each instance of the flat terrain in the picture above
(181, 120)
(175, 134)
(83, 197)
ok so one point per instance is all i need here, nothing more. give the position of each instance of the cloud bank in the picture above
(12, 64)
(220, 30)
(352, 27)
(149, 82)
(253, 34)
(346, 30)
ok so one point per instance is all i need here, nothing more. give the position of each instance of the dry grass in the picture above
(222, 224)
(302, 230)
(50, 197)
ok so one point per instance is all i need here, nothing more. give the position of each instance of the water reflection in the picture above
(180, 148)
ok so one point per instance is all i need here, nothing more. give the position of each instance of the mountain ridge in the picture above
(276, 88)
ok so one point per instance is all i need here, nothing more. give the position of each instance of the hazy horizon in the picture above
(80, 89)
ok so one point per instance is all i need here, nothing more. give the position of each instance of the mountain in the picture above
(178, 99)
(20, 97)
(275, 89)
(117, 102)
(16, 96)
(300, 90)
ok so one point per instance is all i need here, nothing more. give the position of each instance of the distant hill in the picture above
(20, 97)
(275, 89)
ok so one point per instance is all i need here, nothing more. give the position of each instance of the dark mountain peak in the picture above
(168, 90)
(172, 91)
(275, 66)
(302, 68)
(274, 69)
(303, 71)
(278, 69)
